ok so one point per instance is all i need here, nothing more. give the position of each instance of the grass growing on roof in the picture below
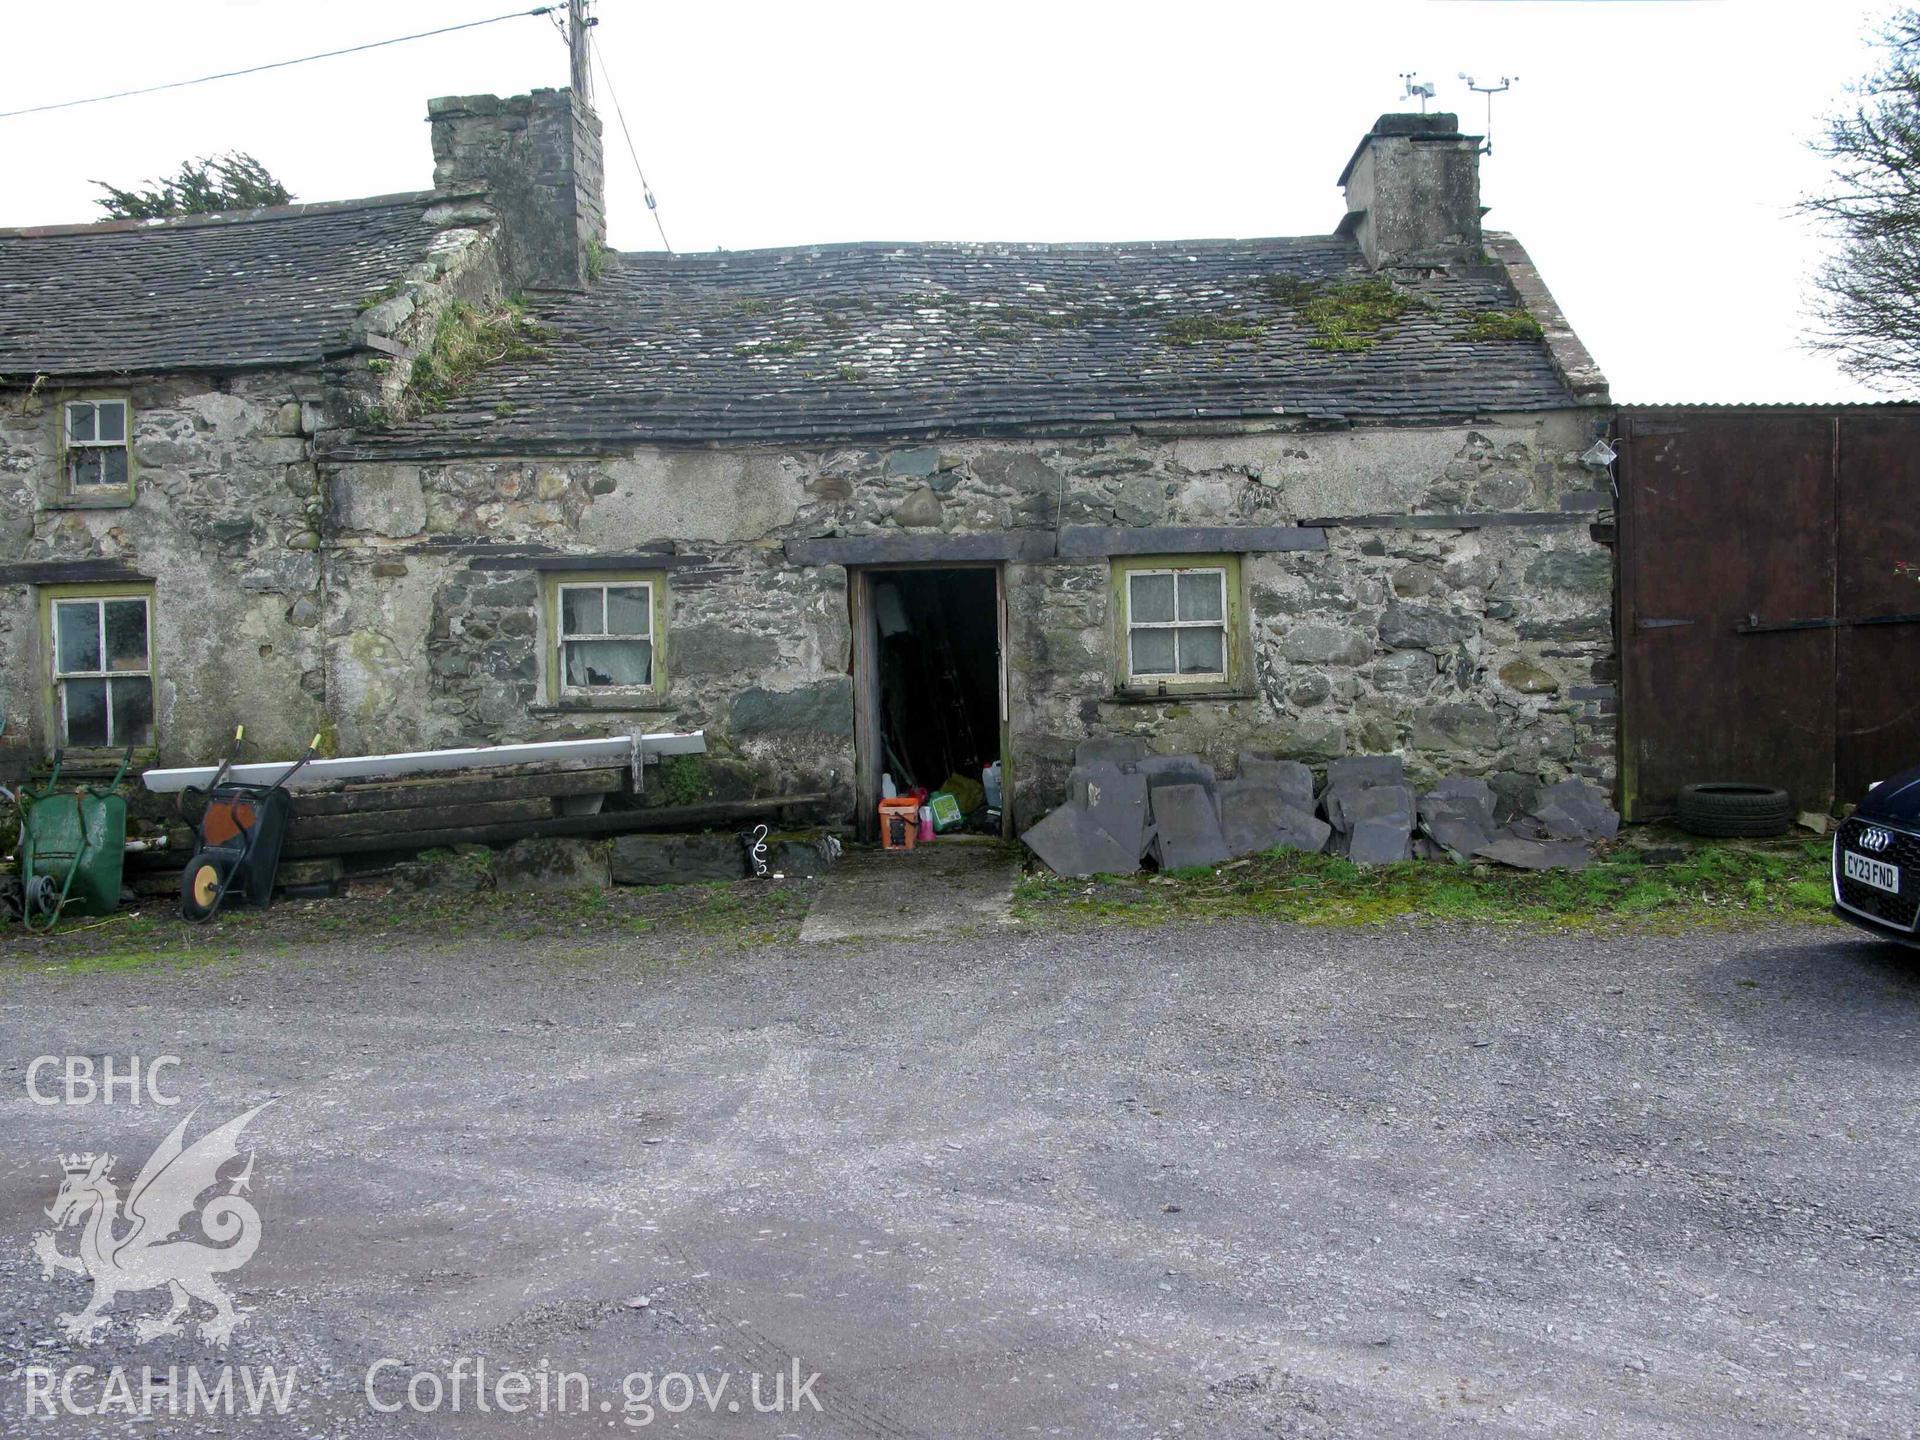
(466, 342)
(1351, 315)
(1722, 882)
(1187, 330)
(1503, 325)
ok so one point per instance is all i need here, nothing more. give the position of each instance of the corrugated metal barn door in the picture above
(1878, 545)
(1722, 519)
(1767, 625)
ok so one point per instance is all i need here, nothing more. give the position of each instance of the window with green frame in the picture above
(99, 645)
(1177, 622)
(606, 635)
(95, 442)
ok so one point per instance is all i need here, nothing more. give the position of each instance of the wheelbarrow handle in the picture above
(239, 734)
(294, 769)
(126, 759)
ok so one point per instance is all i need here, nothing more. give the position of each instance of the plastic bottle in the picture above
(926, 822)
(888, 791)
(990, 781)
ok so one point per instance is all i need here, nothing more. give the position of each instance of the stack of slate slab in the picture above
(1127, 806)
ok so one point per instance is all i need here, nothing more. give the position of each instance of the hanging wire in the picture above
(274, 65)
(653, 206)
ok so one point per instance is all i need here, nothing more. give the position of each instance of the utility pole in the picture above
(577, 26)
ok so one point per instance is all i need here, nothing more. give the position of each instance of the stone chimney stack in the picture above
(1413, 192)
(539, 157)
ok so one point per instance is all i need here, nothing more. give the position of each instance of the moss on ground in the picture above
(689, 918)
(1717, 883)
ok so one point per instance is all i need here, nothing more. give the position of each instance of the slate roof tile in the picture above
(822, 344)
(857, 342)
(264, 287)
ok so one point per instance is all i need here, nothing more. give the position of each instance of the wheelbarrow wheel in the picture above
(201, 886)
(42, 898)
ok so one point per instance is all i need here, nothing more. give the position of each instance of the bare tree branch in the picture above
(1869, 307)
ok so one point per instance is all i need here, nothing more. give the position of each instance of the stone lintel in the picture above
(920, 549)
(70, 572)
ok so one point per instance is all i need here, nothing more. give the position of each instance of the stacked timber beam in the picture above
(392, 805)
(419, 814)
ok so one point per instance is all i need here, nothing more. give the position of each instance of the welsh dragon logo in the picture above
(142, 1248)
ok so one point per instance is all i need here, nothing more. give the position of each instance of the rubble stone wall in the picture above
(225, 521)
(1483, 650)
(399, 605)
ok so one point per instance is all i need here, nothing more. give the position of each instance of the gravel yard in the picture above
(1239, 1179)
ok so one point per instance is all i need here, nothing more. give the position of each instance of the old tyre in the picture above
(200, 887)
(1726, 808)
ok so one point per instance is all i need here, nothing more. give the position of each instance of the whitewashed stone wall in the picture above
(377, 602)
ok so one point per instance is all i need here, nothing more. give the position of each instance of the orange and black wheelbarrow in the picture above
(236, 846)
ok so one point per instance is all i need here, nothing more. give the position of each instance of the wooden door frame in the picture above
(866, 688)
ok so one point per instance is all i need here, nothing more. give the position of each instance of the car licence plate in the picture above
(1877, 873)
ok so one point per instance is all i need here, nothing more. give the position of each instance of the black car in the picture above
(1876, 860)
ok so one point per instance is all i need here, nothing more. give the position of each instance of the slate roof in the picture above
(853, 342)
(263, 287)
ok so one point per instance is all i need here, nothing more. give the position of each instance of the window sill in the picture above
(96, 764)
(118, 500)
(1176, 695)
(591, 704)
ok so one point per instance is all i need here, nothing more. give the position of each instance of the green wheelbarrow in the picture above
(72, 848)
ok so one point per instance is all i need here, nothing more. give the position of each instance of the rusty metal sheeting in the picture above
(1769, 610)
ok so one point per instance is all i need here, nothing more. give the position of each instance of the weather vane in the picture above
(1413, 85)
(1507, 82)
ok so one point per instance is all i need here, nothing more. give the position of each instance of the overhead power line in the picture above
(275, 65)
(653, 206)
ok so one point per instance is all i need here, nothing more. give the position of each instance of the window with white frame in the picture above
(102, 670)
(1176, 623)
(605, 634)
(96, 445)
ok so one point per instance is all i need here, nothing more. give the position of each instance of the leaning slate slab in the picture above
(1256, 816)
(1575, 810)
(1457, 824)
(1186, 828)
(1381, 802)
(1303, 830)
(1294, 780)
(1176, 770)
(1462, 794)
(1525, 854)
(1110, 750)
(1347, 802)
(1164, 770)
(1380, 840)
(1116, 800)
(1071, 842)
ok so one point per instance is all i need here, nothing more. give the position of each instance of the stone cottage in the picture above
(439, 468)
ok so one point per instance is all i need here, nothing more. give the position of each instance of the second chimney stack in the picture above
(1413, 192)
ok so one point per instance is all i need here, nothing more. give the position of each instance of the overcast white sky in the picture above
(1649, 156)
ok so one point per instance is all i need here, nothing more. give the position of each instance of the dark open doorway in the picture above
(930, 682)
